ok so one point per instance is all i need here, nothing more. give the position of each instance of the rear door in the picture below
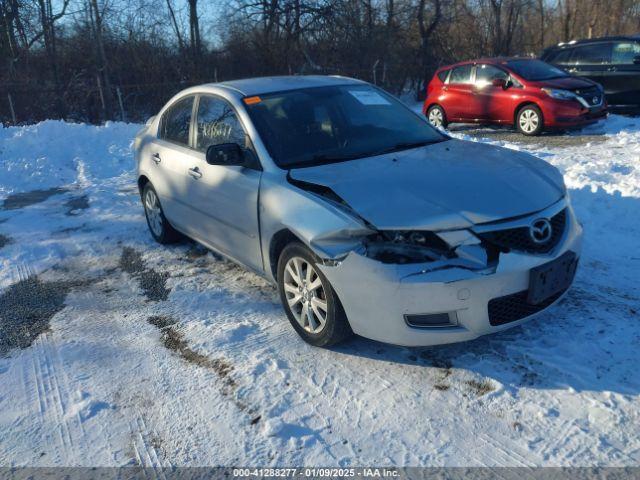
(223, 199)
(460, 96)
(492, 103)
(171, 154)
(624, 75)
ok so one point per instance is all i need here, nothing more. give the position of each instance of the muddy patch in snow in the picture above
(479, 388)
(75, 205)
(27, 307)
(25, 199)
(174, 340)
(153, 283)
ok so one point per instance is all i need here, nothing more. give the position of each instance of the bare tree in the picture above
(427, 24)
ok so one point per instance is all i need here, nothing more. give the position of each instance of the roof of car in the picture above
(264, 85)
(491, 60)
(586, 41)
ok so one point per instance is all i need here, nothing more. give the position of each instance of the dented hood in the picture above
(447, 185)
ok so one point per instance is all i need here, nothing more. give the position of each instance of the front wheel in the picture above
(529, 120)
(437, 117)
(311, 304)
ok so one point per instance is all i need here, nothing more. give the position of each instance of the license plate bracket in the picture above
(551, 278)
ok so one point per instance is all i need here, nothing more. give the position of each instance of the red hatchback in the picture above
(527, 93)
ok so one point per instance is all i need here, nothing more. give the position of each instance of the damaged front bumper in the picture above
(381, 299)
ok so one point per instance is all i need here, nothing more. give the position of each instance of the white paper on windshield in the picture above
(369, 97)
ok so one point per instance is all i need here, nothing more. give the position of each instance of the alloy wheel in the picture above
(306, 295)
(528, 120)
(435, 117)
(154, 213)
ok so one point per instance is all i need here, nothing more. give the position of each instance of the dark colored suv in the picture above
(613, 62)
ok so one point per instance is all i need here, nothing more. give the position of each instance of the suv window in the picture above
(217, 123)
(597, 54)
(625, 53)
(176, 121)
(485, 74)
(461, 74)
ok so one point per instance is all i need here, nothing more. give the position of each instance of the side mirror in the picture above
(228, 154)
(499, 82)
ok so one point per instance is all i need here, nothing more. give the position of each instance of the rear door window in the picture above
(597, 54)
(176, 122)
(461, 74)
(625, 53)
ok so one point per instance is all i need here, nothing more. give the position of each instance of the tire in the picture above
(160, 228)
(294, 278)
(437, 117)
(529, 120)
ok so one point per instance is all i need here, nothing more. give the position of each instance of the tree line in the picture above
(96, 60)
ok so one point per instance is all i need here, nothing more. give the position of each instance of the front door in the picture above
(224, 199)
(493, 103)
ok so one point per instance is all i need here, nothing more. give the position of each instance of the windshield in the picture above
(535, 70)
(320, 125)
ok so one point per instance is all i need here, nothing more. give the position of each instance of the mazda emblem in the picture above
(594, 100)
(540, 230)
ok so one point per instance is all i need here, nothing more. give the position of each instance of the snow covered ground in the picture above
(141, 354)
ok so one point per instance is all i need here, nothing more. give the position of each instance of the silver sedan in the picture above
(369, 220)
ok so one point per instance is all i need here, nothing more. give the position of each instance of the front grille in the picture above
(591, 95)
(514, 307)
(520, 239)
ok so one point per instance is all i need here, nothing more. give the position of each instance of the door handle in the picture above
(156, 158)
(195, 172)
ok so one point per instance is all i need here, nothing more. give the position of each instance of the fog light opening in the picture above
(432, 320)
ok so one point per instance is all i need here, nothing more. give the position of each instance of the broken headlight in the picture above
(407, 247)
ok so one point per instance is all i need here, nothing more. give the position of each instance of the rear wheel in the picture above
(437, 117)
(311, 304)
(159, 226)
(529, 120)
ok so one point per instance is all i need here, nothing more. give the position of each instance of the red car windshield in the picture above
(535, 70)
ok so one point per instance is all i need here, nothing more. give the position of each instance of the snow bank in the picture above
(56, 153)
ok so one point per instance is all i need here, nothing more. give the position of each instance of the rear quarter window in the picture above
(443, 75)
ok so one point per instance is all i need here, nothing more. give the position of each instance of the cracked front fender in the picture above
(329, 231)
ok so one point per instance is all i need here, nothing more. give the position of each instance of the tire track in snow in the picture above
(510, 456)
(145, 452)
